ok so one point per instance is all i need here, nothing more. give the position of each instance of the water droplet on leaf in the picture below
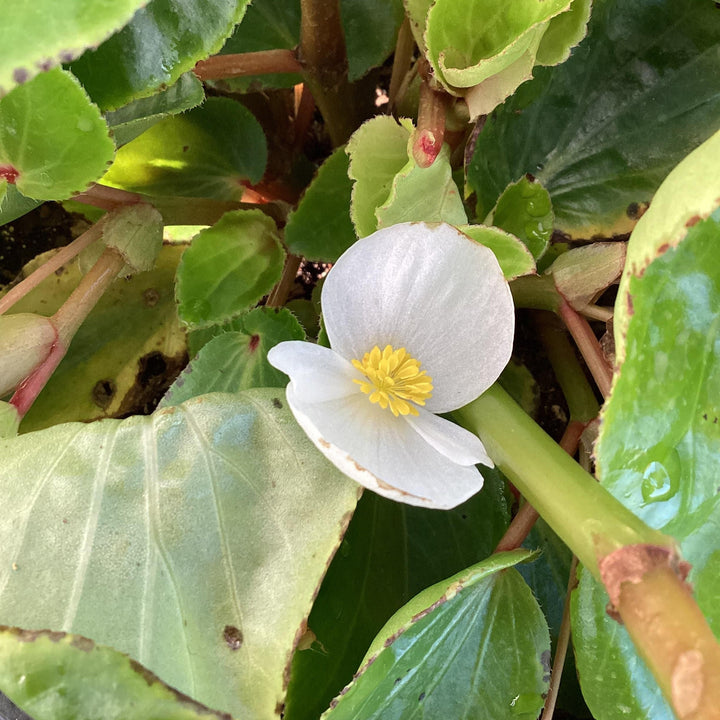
(658, 484)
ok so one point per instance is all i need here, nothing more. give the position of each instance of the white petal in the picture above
(315, 371)
(456, 443)
(382, 452)
(431, 290)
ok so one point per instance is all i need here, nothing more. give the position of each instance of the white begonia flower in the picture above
(420, 321)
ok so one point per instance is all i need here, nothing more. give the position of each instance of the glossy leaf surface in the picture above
(398, 550)
(228, 268)
(67, 29)
(189, 540)
(48, 674)
(602, 130)
(511, 253)
(320, 229)
(207, 152)
(234, 361)
(435, 655)
(165, 39)
(53, 140)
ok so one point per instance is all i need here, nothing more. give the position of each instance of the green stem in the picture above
(587, 517)
(324, 60)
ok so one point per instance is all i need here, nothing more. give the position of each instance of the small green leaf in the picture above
(563, 33)
(524, 209)
(190, 540)
(228, 268)
(378, 152)
(138, 116)
(14, 204)
(52, 137)
(423, 194)
(399, 550)
(48, 675)
(235, 361)
(437, 651)
(602, 130)
(164, 39)
(512, 254)
(320, 229)
(206, 152)
(35, 36)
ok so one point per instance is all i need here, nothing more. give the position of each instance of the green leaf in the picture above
(35, 36)
(435, 655)
(660, 436)
(378, 152)
(129, 347)
(390, 187)
(206, 152)
(524, 209)
(228, 268)
(234, 361)
(9, 420)
(512, 254)
(398, 550)
(563, 33)
(165, 39)
(52, 137)
(55, 676)
(14, 204)
(423, 194)
(320, 229)
(602, 130)
(204, 515)
(138, 116)
(486, 60)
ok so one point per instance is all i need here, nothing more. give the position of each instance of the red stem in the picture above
(263, 62)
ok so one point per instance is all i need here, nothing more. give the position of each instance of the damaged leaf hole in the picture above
(103, 393)
(233, 637)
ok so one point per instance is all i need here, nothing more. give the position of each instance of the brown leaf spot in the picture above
(694, 220)
(103, 392)
(82, 643)
(151, 297)
(324, 443)
(276, 403)
(254, 342)
(233, 637)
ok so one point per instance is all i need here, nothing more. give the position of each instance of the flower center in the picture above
(394, 379)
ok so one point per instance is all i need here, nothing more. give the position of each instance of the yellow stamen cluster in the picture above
(394, 379)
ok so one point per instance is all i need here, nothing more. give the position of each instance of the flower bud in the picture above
(25, 342)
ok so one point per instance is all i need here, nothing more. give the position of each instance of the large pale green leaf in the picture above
(207, 152)
(396, 550)
(55, 676)
(660, 438)
(138, 116)
(35, 36)
(121, 354)
(602, 130)
(190, 540)
(435, 657)
(53, 140)
(320, 229)
(234, 361)
(165, 39)
(228, 268)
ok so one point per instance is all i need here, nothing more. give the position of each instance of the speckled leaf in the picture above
(602, 130)
(234, 361)
(399, 550)
(165, 39)
(207, 152)
(660, 438)
(53, 140)
(190, 540)
(123, 352)
(524, 209)
(512, 254)
(437, 653)
(228, 268)
(35, 36)
(48, 675)
(138, 116)
(423, 195)
(320, 229)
